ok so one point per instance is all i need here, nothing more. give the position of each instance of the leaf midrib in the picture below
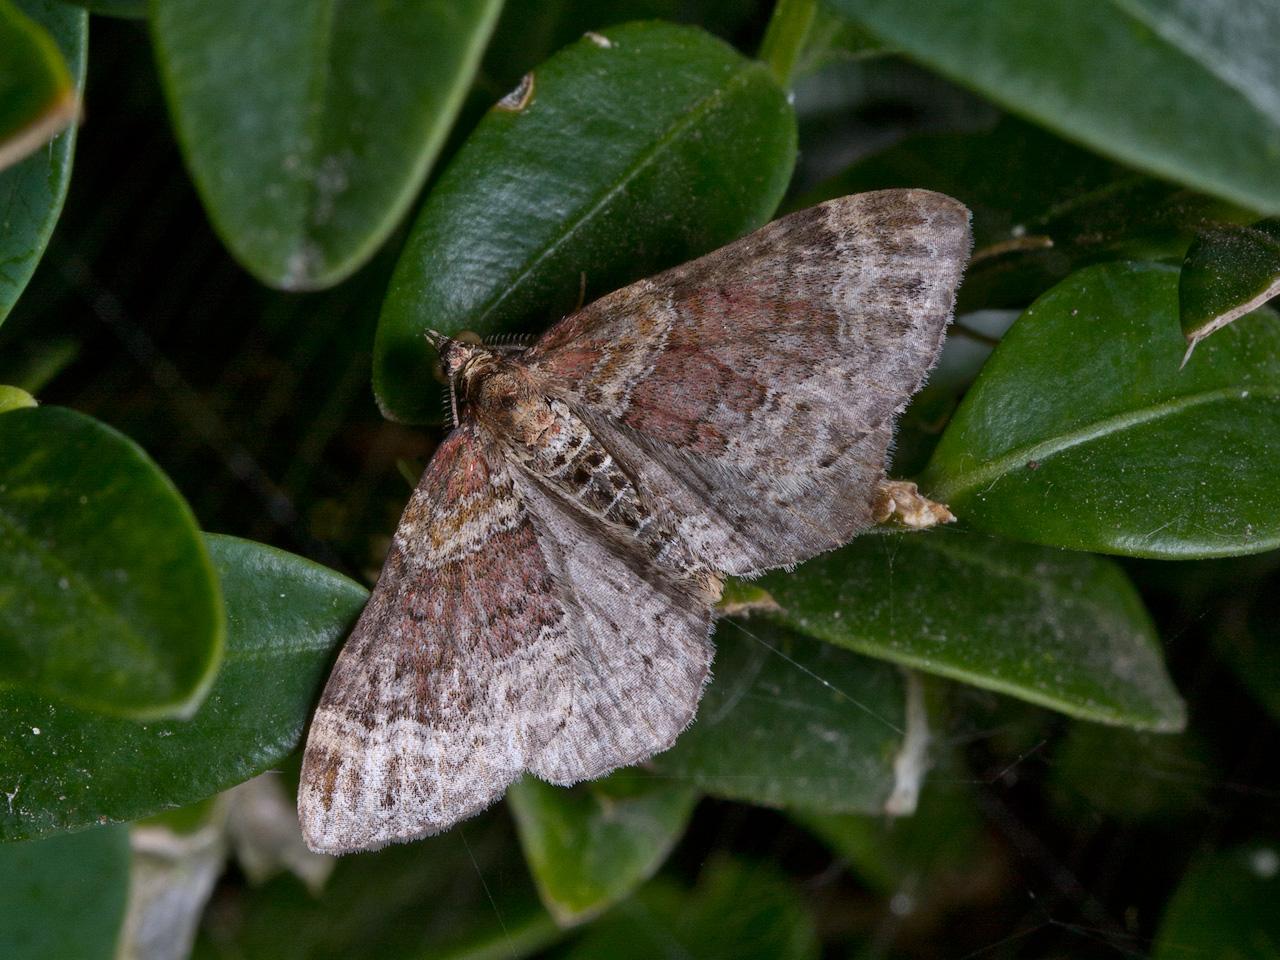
(696, 112)
(1038, 585)
(992, 470)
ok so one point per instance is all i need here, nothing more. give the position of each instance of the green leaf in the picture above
(1064, 630)
(309, 125)
(32, 191)
(73, 767)
(603, 173)
(1228, 272)
(15, 398)
(37, 93)
(786, 36)
(64, 897)
(590, 846)
(1225, 907)
(107, 595)
(461, 896)
(835, 39)
(1181, 89)
(1082, 432)
(792, 723)
(738, 911)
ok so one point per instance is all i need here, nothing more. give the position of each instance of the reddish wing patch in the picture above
(769, 372)
(448, 685)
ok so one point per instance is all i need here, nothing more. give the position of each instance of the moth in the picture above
(546, 603)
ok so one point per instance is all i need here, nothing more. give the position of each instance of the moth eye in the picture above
(437, 372)
(468, 336)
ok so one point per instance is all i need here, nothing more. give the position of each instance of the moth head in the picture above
(460, 357)
(455, 353)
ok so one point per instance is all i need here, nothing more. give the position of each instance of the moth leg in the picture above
(902, 502)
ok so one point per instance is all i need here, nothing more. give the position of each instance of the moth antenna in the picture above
(509, 342)
(453, 402)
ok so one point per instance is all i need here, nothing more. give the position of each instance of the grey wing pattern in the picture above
(454, 676)
(755, 389)
(642, 650)
(500, 638)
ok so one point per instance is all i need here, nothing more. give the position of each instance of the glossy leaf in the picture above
(37, 92)
(461, 896)
(1064, 630)
(1228, 272)
(600, 172)
(592, 845)
(1087, 70)
(64, 897)
(744, 911)
(788, 722)
(1082, 432)
(74, 767)
(32, 191)
(308, 125)
(1225, 907)
(107, 595)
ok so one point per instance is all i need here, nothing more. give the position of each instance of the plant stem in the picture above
(784, 37)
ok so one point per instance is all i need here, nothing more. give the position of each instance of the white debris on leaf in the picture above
(912, 761)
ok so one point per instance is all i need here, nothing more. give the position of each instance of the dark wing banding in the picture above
(500, 638)
(754, 390)
(452, 678)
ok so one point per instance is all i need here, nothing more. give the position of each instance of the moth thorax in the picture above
(506, 402)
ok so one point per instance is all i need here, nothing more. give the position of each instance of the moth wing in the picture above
(453, 678)
(755, 389)
(642, 646)
(503, 635)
